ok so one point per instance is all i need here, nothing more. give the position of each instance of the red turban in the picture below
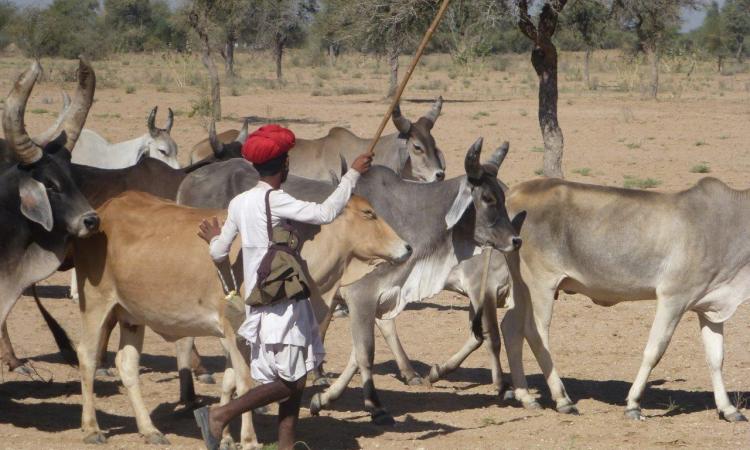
(267, 143)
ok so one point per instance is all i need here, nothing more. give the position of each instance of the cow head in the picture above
(420, 153)
(48, 194)
(481, 188)
(159, 144)
(223, 151)
(373, 237)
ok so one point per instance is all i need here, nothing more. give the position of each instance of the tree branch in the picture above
(524, 21)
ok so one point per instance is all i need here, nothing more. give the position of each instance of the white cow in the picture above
(94, 150)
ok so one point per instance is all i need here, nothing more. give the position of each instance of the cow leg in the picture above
(362, 315)
(666, 320)
(319, 375)
(493, 344)
(512, 328)
(241, 377)
(196, 364)
(74, 286)
(454, 362)
(537, 334)
(388, 329)
(104, 368)
(184, 349)
(324, 399)
(713, 342)
(7, 355)
(94, 318)
(127, 361)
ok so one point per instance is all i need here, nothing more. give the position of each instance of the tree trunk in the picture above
(333, 53)
(278, 52)
(740, 41)
(720, 63)
(393, 81)
(229, 56)
(586, 63)
(654, 87)
(213, 76)
(544, 60)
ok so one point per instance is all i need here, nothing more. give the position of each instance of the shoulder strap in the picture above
(269, 225)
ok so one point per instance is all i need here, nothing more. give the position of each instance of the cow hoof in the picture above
(263, 410)
(316, 404)
(321, 381)
(504, 389)
(434, 373)
(733, 417)
(96, 437)
(508, 396)
(570, 408)
(382, 418)
(103, 372)
(416, 380)
(206, 378)
(156, 438)
(24, 370)
(634, 414)
(532, 405)
(227, 444)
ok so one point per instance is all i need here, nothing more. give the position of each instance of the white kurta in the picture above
(287, 322)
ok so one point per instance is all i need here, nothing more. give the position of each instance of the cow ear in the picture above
(517, 221)
(35, 203)
(460, 203)
(441, 158)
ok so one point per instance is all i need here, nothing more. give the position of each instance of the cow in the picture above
(42, 208)
(8, 157)
(446, 223)
(183, 296)
(94, 150)
(214, 144)
(688, 250)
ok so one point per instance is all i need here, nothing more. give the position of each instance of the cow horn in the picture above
(403, 125)
(344, 165)
(473, 168)
(242, 137)
(15, 107)
(432, 116)
(497, 158)
(151, 122)
(216, 145)
(83, 98)
(170, 120)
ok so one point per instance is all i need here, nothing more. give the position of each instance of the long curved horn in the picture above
(216, 145)
(403, 125)
(432, 116)
(497, 158)
(43, 138)
(83, 98)
(242, 137)
(15, 107)
(151, 122)
(344, 165)
(170, 120)
(471, 163)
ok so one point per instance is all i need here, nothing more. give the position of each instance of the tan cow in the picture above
(116, 277)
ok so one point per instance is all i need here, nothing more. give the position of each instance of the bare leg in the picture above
(288, 416)
(665, 322)
(713, 342)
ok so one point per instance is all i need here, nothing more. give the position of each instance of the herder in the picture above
(283, 334)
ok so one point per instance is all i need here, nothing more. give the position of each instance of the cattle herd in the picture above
(70, 198)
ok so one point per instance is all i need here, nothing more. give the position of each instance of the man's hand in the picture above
(362, 163)
(208, 229)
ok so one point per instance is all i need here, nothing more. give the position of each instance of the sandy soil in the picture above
(613, 132)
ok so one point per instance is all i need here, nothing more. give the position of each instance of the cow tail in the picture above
(61, 337)
(476, 325)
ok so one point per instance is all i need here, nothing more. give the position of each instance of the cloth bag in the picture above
(280, 274)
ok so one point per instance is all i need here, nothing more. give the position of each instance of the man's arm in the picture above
(219, 238)
(288, 207)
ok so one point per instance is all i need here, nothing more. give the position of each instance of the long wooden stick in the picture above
(414, 61)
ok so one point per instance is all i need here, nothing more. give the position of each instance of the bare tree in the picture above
(467, 24)
(283, 22)
(737, 17)
(544, 60)
(589, 18)
(238, 20)
(199, 17)
(653, 22)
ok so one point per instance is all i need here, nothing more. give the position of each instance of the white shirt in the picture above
(287, 321)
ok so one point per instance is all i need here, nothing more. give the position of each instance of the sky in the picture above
(691, 18)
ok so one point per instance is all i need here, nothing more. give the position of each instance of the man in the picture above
(284, 338)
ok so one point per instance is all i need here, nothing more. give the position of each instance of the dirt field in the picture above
(612, 136)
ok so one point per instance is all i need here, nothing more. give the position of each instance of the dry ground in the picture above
(612, 135)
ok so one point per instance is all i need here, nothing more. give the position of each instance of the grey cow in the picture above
(689, 250)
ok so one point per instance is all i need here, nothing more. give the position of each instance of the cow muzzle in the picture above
(402, 252)
(88, 224)
(514, 244)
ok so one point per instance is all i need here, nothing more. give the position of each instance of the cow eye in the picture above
(418, 148)
(52, 188)
(369, 214)
(487, 198)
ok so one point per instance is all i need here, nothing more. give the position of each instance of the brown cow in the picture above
(185, 297)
